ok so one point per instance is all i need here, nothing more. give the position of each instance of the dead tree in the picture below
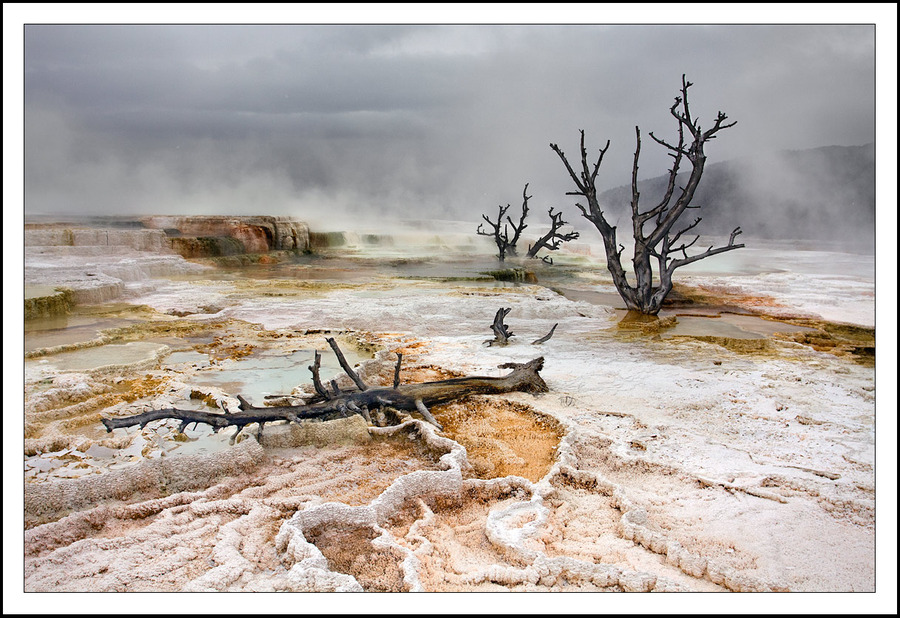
(553, 239)
(659, 243)
(502, 333)
(325, 405)
(505, 244)
(501, 239)
(517, 228)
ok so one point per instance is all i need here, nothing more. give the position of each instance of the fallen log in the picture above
(325, 405)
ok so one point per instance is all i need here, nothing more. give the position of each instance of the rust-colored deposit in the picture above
(502, 438)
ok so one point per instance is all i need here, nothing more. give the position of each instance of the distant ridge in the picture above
(823, 193)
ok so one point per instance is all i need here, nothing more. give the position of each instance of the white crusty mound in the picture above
(684, 465)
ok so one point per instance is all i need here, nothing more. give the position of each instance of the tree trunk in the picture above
(524, 377)
(663, 242)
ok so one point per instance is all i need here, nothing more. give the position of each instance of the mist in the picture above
(825, 194)
(429, 121)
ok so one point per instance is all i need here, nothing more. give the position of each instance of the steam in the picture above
(405, 121)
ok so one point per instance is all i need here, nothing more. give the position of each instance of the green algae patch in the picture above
(512, 274)
(206, 246)
(45, 302)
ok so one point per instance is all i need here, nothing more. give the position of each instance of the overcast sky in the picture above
(431, 121)
(428, 120)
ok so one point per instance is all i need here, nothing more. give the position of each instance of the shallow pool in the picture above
(270, 373)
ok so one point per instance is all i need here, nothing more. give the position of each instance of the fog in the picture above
(333, 122)
(431, 121)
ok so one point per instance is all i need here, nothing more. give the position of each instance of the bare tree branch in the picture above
(524, 377)
(690, 260)
(517, 229)
(317, 382)
(345, 365)
(501, 239)
(545, 337)
(508, 246)
(502, 333)
(553, 239)
(647, 294)
(397, 370)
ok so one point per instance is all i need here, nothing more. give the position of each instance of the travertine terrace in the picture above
(656, 462)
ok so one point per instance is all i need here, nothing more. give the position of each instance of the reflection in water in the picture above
(90, 359)
(271, 369)
(67, 330)
(356, 270)
(703, 322)
(730, 325)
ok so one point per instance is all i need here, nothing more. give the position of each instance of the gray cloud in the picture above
(427, 120)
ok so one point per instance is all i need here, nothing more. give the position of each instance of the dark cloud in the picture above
(441, 120)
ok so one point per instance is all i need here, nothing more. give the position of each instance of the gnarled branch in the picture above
(317, 381)
(553, 239)
(501, 239)
(397, 370)
(649, 290)
(545, 337)
(345, 365)
(417, 398)
(505, 244)
(517, 228)
(501, 330)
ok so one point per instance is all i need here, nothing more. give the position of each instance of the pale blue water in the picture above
(270, 373)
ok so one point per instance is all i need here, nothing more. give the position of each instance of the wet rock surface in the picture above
(99, 260)
(255, 234)
(654, 463)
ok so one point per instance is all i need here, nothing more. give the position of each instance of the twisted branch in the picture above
(407, 397)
